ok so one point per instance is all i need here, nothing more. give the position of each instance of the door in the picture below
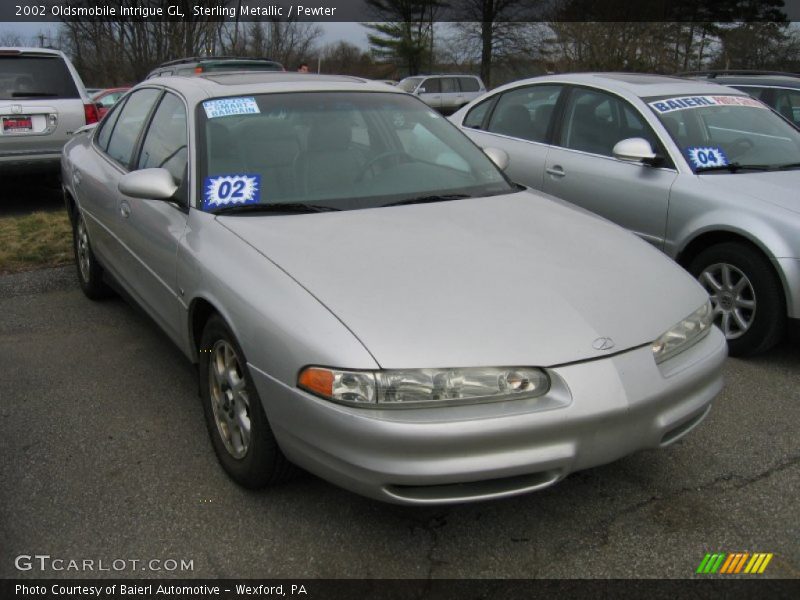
(96, 178)
(452, 98)
(151, 229)
(430, 92)
(581, 169)
(520, 122)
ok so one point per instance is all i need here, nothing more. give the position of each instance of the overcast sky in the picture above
(332, 32)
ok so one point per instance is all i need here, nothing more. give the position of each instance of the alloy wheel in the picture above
(732, 297)
(229, 399)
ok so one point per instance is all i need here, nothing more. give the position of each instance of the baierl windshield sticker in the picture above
(231, 190)
(225, 107)
(702, 157)
(684, 102)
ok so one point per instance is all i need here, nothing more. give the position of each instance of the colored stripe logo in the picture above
(735, 562)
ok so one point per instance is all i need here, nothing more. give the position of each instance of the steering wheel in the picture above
(740, 146)
(399, 155)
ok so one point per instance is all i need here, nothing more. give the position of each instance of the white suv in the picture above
(42, 103)
(445, 93)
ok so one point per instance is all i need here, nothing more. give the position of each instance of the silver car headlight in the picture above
(684, 334)
(399, 388)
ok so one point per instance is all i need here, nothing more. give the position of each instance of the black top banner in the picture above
(369, 10)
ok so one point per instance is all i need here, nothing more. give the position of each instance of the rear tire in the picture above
(240, 432)
(90, 273)
(747, 296)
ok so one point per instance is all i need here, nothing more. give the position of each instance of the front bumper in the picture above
(614, 406)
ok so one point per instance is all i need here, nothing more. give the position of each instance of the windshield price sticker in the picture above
(231, 190)
(708, 156)
(684, 102)
(226, 107)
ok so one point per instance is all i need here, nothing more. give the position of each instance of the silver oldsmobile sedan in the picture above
(703, 172)
(367, 296)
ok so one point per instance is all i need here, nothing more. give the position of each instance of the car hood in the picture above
(507, 281)
(776, 187)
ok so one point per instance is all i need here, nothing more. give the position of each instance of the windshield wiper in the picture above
(27, 94)
(294, 207)
(427, 199)
(733, 167)
(795, 165)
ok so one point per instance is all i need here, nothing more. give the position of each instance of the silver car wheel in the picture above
(229, 399)
(732, 297)
(83, 250)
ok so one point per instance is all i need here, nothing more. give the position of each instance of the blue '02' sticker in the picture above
(706, 156)
(230, 190)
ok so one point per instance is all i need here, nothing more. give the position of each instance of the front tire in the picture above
(240, 433)
(748, 300)
(90, 273)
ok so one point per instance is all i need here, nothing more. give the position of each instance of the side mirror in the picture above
(498, 157)
(420, 90)
(637, 150)
(148, 184)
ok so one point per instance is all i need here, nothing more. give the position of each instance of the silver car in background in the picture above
(445, 93)
(42, 103)
(701, 171)
(366, 295)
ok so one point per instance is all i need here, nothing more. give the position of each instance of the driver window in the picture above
(596, 121)
(432, 86)
(165, 143)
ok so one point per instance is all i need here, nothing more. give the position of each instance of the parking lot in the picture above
(106, 456)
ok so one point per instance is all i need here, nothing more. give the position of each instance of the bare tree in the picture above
(500, 28)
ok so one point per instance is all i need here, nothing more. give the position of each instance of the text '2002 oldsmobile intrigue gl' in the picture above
(366, 295)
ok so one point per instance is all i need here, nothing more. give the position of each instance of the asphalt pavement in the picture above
(104, 456)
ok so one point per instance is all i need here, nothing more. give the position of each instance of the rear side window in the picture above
(525, 112)
(469, 84)
(449, 85)
(129, 125)
(475, 117)
(35, 77)
(106, 127)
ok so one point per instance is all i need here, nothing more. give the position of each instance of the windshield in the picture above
(728, 133)
(409, 84)
(339, 150)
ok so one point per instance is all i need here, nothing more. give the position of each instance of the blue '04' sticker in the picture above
(706, 156)
(230, 190)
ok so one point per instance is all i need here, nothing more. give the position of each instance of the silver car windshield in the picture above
(336, 150)
(728, 133)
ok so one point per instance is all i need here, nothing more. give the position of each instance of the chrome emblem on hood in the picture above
(603, 343)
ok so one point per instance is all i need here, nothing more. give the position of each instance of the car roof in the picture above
(643, 85)
(27, 51)
(246, 83)
(755, 79)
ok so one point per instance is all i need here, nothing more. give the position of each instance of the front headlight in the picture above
(424, 387)
(685, 333)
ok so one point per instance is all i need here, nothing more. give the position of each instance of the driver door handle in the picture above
(125, 210)
(556, 171)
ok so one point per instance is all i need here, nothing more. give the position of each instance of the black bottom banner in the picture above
(399, 589)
